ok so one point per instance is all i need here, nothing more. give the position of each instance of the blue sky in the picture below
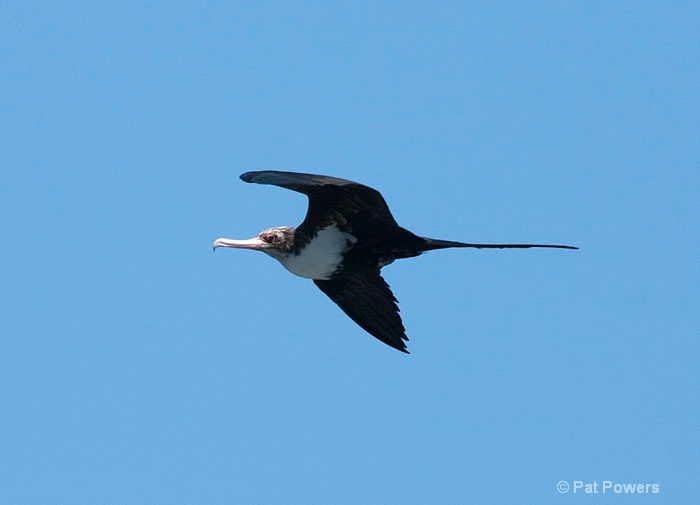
(139, 367)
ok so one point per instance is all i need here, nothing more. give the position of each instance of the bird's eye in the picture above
(269, 237)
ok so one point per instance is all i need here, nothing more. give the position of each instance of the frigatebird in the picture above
(346, 238)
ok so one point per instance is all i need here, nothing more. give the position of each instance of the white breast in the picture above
(321, 256)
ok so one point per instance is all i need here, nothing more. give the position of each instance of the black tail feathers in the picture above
(431, 244)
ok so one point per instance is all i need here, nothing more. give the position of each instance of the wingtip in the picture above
(400, 346)
(247, 176)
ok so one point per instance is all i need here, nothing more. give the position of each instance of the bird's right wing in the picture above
(355, 208)
(368, 300)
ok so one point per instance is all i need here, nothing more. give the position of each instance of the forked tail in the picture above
(442, 244)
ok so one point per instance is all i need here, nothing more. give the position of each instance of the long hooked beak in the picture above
(253, 243)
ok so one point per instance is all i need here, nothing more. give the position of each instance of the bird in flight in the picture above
(346, 238)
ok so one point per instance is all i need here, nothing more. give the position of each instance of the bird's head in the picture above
(277, 242)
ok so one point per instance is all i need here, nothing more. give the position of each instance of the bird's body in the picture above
(320, 258)
(347, 236)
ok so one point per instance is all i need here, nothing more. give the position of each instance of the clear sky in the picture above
(139, 367)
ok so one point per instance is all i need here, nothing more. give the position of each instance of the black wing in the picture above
(354, 208)
(367, 299)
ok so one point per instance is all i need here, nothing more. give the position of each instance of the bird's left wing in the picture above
(367, 299)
